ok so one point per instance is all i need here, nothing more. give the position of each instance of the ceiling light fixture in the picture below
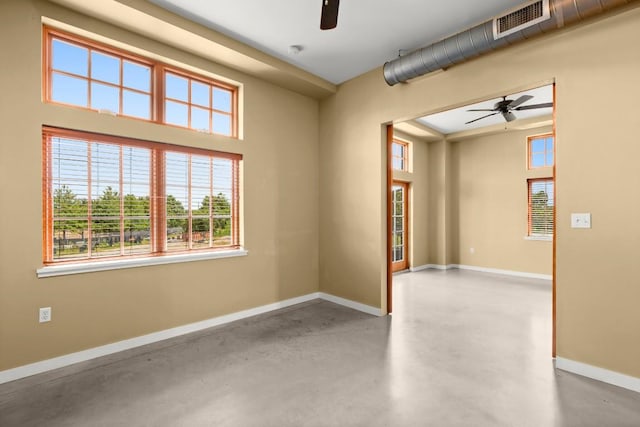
(295, 49)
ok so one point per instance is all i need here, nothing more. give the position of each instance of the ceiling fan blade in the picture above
(521, 100)
(480, 118)
(509, 116)
(329, 16)
(483, 109)
(534, 106)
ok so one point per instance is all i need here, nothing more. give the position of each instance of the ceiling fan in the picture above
(507, 106)
(329, 16)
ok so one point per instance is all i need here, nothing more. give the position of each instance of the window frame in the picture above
(405, 155)
(157, 84)
(157, 197)
(530, 151)
(530, 233)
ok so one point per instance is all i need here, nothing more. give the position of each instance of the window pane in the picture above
(105, 173)
(70, 90)
(397, 164)
(177, 238)
(549, 143)
(104, 97)
(105, 68)
(137, 236)
(537, 160)
(222, 100)
(200, 94)
(396, 149)
(136, 76)
(176, 87)
(69, 164)
(69, 239)
(221, 124)
(70, 58)
(549, 159)
(537, 145)
(200, 234)
(176, 114)
(199, 119)
(136, 174)
(136, 104)
(105, 237)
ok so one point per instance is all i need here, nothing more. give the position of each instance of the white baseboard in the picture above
(431, 267)
(352, 304)
(600, 374)
(105, 350)
(504, 272)
(483, 270)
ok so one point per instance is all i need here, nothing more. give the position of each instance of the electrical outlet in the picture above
(45, 314)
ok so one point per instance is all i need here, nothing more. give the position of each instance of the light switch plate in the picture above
(580, 220)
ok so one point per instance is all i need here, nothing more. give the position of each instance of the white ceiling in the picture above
(452, 121)
(369, 32)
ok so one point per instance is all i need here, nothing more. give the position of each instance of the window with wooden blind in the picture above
(400, 155)
(540, 151)
(86, 74)
(107, 197)
(541, 207)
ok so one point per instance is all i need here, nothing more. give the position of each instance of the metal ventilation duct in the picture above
(483, 38)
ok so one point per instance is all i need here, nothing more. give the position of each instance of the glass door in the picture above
(400, 222)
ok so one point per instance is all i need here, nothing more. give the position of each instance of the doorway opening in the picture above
(482, 184)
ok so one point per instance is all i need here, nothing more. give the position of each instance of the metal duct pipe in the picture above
(480, 39)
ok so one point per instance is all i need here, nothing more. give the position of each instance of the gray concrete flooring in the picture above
(461, 349)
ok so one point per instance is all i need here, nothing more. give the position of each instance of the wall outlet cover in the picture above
(580, 220)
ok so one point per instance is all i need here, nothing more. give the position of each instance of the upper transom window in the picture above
(197, 104)
(540, 151)
(400, 155)
(90, 75)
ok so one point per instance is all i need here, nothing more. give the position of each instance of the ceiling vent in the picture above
(521, 18)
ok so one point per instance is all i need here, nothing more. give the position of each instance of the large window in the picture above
(541, 206)
(400, 155)
(540, 151)
(86, 74)
(110, 197)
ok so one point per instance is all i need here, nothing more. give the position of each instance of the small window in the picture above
(85, 76)
(112, 197)
(400, 155)
(541, 207)
(198, 104)
(540, 149)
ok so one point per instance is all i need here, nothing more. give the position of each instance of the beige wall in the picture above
(280, 196)
(597, 269)
(489, 204)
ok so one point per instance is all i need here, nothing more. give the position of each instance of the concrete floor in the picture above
(462, 349)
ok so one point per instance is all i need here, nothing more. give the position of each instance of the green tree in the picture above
(175, 209)
(221, 209)
(74, 211)
(136, 207)
(106, 212)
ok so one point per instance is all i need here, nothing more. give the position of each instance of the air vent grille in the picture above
(521, 18)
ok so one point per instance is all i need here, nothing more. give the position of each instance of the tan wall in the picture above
(597, 269)
(280, 196)
(489, 204)
(418, 179)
